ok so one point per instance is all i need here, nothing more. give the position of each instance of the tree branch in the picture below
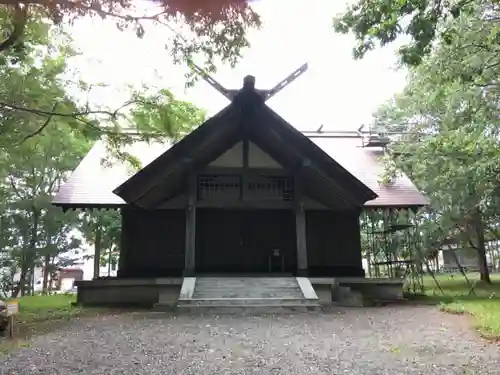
(79, 116)
(15, 189)
(41, 128)
(59, 114)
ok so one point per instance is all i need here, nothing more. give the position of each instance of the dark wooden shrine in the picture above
(230, 198)
(244, 193)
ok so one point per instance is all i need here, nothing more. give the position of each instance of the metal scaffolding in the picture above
(392, 246)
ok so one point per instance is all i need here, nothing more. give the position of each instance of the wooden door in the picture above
(240, 241)
(265, 231)
(219, 243)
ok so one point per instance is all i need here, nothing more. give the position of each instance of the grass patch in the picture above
(485, 315)
(41, 314)
(483, 306)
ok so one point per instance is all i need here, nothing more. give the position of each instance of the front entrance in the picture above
(245, 241)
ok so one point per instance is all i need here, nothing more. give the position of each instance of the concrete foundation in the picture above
(166, 291)
(126, 292)
(355, 291)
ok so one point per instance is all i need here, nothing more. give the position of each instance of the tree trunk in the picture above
(46, 273)
(481, 248)
(97, 251)
(109, 262)
(28, 257)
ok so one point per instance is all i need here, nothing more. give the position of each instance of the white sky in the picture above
(336, 90)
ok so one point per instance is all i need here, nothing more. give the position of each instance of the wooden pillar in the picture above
(245, 170)
(190, 246)
(124, 244)
(300, 226)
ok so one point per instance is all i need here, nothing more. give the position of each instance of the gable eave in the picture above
(318, 157)
(178, 155)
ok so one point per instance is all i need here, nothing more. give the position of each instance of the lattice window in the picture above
(275, 188)
(226, 186)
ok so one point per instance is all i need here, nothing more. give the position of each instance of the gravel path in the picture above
(395, 340)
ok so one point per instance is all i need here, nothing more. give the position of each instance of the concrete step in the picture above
(242, 293)
(203, 283)
(246, 302)
(258, 287)
(245, 280)
(224, 292)
(243, 310)
(246, 295)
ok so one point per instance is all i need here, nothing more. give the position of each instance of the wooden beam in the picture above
(190, 245)
(248, 204)
(238, 171)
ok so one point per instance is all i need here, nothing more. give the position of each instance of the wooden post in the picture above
(190, 246)
(245, 170)
(11, 323)
(300, 226)
(124, 243)
(12, 309)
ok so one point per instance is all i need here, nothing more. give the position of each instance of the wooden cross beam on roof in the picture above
(284, 83)
(230, 94)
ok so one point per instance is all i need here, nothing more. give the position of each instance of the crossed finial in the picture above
(249, 82)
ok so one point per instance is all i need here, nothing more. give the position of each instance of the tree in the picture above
(39, 149)
(33, 97)
(102, 229)
(217, 28)
(380, 22)
(158, 111)
(452, 151)
(31, 173)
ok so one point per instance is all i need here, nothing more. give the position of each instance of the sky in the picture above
(336, 91)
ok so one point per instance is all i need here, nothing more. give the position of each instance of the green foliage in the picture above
(161, 113)
(215, 30)
(379, 22)
(452, 151)
(43, 136)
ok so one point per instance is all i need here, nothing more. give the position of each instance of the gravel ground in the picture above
(388, 340)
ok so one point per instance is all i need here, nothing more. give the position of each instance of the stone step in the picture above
(241, 310)
(230, 287)
(213, 289)
(247, 280)
(247, 286)
(288, 284)
(228, 294)
(244, 285)
(239, 294)
(246, 302)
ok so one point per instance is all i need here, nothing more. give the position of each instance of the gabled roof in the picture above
(246, 117)
(365, 164)
(92, 183)
(335, 171)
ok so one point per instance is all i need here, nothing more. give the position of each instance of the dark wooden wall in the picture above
(333, 244)
(152, 243)
(238, 241)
